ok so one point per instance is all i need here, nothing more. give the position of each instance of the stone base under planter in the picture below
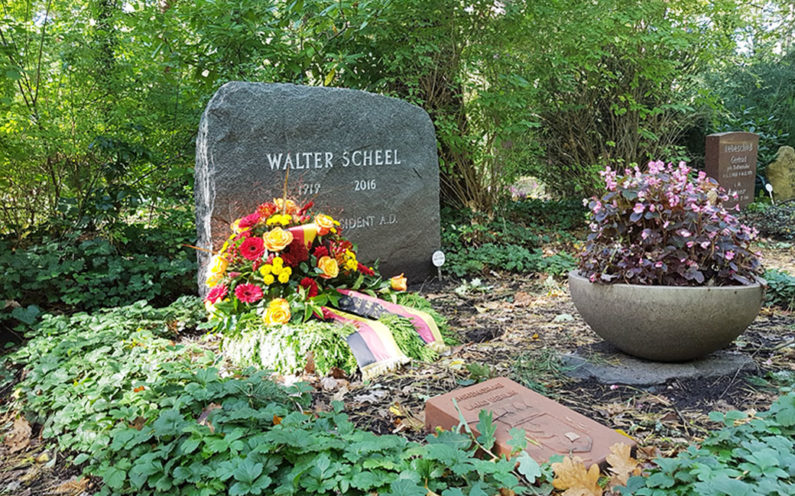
(608, 365)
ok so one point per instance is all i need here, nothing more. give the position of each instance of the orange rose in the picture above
(277, 239)
(324, 224)
(398, 283)
(278, 312)
(329, 267)
(290, 208)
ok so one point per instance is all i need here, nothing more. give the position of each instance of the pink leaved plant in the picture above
(665, 226)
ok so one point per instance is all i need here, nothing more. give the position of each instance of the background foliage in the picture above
(101, 98)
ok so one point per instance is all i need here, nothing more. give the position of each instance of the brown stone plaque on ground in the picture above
(731, 160)
(551, 428)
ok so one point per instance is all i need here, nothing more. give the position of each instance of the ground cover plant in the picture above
(149, 416)
(475, 244)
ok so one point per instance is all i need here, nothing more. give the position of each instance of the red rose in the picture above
(252, 248)
(310, 285)
(217, 293)
(249, 220)
(320, 252)
(365, 270)
(248, 293)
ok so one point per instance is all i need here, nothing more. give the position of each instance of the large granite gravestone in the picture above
(367, 160)
(550, 428)
(730, 159)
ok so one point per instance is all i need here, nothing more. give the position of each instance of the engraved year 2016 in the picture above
(309, 189)
(364, 185)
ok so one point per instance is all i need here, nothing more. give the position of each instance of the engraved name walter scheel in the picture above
(367, 160)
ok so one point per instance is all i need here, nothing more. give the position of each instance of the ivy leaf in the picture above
(405, 487)
(528, 467)
(487, 429)
(247, 471)
(169, 423)
(518, 439)
(114, 477)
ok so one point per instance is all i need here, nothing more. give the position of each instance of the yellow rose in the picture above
(277, 239)
(324, 224)
(290, 209)
(329, 267)
(218, 265)
(398, 283)
(268, 279)
(278, 312)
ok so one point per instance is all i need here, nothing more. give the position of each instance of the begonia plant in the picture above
(666, 226)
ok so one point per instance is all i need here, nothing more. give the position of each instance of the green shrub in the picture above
(748, 456)
(780, 289)
(475, 244)
(75, 274)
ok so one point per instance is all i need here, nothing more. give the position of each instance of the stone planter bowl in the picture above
(665, 323)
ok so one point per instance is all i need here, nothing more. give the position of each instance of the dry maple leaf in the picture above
(570, 475)
(622, 465)
(20, 435)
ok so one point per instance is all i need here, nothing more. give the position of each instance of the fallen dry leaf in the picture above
(202, 420)
(571, 476)
(622, 465)
(72, 487)
(310, 363)
(19, 438)
(138, 423)
(522, 299)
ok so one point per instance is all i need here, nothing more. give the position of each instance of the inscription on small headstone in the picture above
(367, 160)
(731, 160)
(551, 428)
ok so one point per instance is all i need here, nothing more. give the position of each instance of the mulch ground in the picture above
(513, 326)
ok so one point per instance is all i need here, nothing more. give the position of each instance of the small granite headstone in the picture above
(781, 174)
(730, 159)
(551, 428)
(367, 160)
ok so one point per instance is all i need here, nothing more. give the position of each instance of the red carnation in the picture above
(248, 293)
(320, 251)
(310, 285)
(217, 293)
(250, 220)
(252, 248)
(266, 209)
(365, 270)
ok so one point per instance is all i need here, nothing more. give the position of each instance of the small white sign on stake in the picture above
(438, 260)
